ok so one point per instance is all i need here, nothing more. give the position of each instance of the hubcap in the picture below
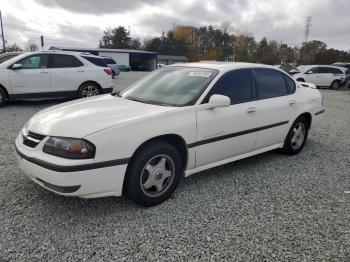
(335, 85)
(90, 91)
(298, 136)
(157, 175)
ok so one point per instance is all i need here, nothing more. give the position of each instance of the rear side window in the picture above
(64, 61)
(237, 85)
(109, 61)
(270, 83)
(96, 61)
(335, 71)
(348, 72)
(290, 84)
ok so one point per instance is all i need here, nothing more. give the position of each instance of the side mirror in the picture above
(16, 66)
(215, 101)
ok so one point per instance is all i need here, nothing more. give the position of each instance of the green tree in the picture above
(118, 38)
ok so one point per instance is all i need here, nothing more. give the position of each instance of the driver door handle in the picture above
(251, 110)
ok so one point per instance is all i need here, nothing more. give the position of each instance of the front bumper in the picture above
(89, 182)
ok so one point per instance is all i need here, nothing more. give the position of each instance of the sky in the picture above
(80, 23)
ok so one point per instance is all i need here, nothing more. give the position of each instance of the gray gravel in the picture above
(270, 207)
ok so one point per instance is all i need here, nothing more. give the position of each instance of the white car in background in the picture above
(176, 121)
(322, 76)
(41, 75)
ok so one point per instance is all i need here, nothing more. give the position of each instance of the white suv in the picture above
(322, 76)
(41, 75)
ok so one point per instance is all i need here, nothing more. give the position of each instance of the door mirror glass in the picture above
(16, 66)
(219, 101)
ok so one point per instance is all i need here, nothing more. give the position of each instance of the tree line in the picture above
(223, 43)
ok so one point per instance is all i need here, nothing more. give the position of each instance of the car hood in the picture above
(83, 117)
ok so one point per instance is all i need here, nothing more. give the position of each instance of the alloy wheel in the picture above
(89, 91)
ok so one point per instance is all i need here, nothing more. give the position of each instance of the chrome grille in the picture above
(32, 139)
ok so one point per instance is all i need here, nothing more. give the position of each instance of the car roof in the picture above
(222, 66)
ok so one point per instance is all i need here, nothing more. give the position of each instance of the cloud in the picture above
(78, 22)
(97, 6)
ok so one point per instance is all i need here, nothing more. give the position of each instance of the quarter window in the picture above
(290, 84)
(270, 83)
(33, 62)
(64, 61)
(237, 85)
(96, 61)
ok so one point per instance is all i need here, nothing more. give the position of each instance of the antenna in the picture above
(308, 25)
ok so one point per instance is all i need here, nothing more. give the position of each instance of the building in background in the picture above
(171, 59)
(138, 60)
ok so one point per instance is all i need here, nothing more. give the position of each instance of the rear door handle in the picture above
(251, 110)
(292, 102)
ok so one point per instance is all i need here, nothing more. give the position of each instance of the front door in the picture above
(225, 132)
(32, 78)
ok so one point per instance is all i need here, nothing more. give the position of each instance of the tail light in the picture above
(108, 71)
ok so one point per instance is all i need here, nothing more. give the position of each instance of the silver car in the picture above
(112, 64)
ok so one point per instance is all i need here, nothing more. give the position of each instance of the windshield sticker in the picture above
(200, 74)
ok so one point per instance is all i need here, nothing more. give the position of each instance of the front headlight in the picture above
(71, 148)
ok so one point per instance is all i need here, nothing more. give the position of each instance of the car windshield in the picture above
(171, 86)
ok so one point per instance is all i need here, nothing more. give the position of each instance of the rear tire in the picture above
(297, 136)
(89, 89)
(2, 97)
(153, 174)
(335, 85)
(301, 80)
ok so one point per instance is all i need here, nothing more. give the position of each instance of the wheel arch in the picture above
(175, 140)
(6, 92)
(308, 118)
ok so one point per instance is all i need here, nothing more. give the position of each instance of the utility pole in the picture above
(308, 24)
(2, 34)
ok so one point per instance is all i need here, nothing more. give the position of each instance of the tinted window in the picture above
(237, 85)
(109, 61)
(348, 71)
(290, 84)
(270, 83)
(63, 61)
(33, 62)
(325, 70)
(96, 61)
(315, 70)
(335, 71)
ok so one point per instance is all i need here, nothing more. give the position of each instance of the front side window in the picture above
(171, 86)
(33, 62)
(270, 83)
(237, 85)
(64, 61)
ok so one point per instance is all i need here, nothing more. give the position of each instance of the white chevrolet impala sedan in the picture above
(176, 121)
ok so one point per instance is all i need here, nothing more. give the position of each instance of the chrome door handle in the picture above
(44, 72)
(80, 71)
(292, 102)
(251, 110)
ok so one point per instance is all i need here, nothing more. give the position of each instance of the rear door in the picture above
(276, 102)
(313, 76)
(32, 78)
(226, 132)
(67, 73)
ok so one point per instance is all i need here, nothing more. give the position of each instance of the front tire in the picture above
(89, 89)
(153, 174)
(297, 136)
(301, 80)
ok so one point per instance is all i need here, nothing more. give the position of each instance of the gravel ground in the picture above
(269, 207)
